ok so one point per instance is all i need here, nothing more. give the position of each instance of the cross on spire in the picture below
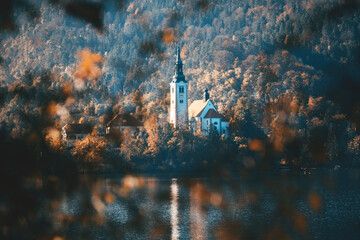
(178, 63)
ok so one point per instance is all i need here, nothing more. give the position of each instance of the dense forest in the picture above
(286, 74)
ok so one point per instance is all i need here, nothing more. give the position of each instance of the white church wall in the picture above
(212, 122)
(225, 128)
(216, 123)
(182, 102)
(178, 104)
(173, 103)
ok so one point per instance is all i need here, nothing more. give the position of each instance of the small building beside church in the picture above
(201, 115)
(204, 117)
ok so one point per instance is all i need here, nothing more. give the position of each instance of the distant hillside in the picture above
(289, 66)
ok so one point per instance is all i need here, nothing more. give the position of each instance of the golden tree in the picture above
(152, 128)
(89, 152)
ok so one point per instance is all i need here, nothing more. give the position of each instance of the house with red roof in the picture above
(124, 122)
(204, 117)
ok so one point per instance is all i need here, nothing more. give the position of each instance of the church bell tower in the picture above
(178, 95)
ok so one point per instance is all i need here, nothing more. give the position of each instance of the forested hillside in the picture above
(286, 73)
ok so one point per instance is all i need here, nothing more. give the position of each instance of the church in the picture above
(202, 115)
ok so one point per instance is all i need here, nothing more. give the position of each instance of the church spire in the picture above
(179, 76)
(206, 95)
(178, 63)
(178, 59)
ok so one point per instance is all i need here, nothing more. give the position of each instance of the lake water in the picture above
(253, 206)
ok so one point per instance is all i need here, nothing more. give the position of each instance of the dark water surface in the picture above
(254, 206)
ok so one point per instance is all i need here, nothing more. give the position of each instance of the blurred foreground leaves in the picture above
(37, 170)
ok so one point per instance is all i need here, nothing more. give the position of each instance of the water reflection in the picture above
(197, 209)
(174, 209)
(197, 216)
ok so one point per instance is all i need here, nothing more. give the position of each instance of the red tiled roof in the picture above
(213, 114)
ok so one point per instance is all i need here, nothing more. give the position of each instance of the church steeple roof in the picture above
(178, 59)
(206, 95)
(179, 75)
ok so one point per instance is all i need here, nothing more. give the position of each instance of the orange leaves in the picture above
(67, 92)
(286, 40)
(314, 201)
(152, 128)
(288, 11)
(313, 103)
(58, 238)
(168, 36)
(203, 196)
(277, 233)
(51, 108)
(54, 109)
(81, 120)
(309, 5)
(53, 138)
(216, 199)
(90, 151)
(256, 145)
(129, 183)
(97, 203)
(67, 89)
(354, 145)
(300, 223)
(109, 198)
(280, 117)
(88, 68)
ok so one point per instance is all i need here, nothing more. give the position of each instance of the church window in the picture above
(207, 121)
(181, 101)
(215, 123)
(172, 89)
(172, 101)
(181, 89)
